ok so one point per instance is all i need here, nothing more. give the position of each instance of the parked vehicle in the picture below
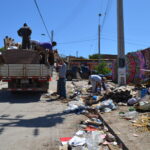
(75, 72)
(23, 71)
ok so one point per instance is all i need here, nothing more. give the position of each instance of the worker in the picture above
(97, 81)
(47, 45)
(61, 83)
(50, 60)
(50, 54)
(25, 33)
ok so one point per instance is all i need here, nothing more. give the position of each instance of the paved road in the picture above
(28, 122)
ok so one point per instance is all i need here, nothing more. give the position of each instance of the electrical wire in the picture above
(104, 38)
(76, 11)
(108, 6)
(42, 18)
(127, 42)
(81, 41)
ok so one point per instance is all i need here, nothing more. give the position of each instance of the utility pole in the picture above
(52, 36)
(121, 47)
(77, 54)
(99, 32)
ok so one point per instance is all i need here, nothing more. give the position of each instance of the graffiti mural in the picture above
(136, 63)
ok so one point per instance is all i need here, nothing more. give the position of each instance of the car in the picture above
(82, 71)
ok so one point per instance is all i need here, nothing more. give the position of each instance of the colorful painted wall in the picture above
(136, 63)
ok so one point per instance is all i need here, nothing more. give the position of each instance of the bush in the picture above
(102, 68)
(1, 49)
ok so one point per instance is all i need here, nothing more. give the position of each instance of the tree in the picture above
(1, 49)
(102, 68)
(94, 56)
(81, 57)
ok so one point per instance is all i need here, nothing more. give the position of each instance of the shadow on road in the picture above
(19, 97)
(44, 121)
(39, 122)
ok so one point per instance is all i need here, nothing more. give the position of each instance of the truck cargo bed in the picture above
(24, 70)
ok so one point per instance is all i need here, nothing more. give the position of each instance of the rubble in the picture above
(110, 137)
(143, 106)
(133, 101)
(119, 96)
(143, 122)
(93, 134)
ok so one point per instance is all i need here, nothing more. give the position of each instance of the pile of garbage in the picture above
(81, 99)
(92, 135)
(120, 94)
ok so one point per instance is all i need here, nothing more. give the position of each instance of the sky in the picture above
(75, 24)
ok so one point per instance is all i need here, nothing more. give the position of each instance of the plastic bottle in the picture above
(130, 115)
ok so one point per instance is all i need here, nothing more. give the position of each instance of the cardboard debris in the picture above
(143, 122)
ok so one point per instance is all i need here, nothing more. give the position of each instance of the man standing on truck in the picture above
(25, 33)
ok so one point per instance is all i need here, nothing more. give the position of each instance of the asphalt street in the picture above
(29, 122)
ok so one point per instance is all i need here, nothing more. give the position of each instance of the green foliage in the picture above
(81, 57)
(94, 56)
(102, 68)
(1, 49)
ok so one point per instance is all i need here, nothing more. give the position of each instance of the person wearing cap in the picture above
(25, 33)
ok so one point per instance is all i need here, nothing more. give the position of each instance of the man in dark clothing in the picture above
(25, 33)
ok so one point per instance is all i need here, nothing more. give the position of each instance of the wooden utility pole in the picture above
(52, 36)
(99, 32)
(77, 54)
(121, 47)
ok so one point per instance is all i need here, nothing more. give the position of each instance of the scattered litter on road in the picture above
(77, 141)
(129, 115)
(93, 134)
(143, 122)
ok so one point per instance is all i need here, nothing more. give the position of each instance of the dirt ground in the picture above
(134, 138)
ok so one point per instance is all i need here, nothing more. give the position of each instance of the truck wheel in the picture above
(69, 78)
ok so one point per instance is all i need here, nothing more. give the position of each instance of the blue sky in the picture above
(75, 24)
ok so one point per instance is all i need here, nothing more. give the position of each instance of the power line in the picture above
(104, 38)
(42, 18)
(81, 41)
(108, 6)
(127, 42)
(73, 15)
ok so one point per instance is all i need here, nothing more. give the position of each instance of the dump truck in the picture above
(22, 69)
